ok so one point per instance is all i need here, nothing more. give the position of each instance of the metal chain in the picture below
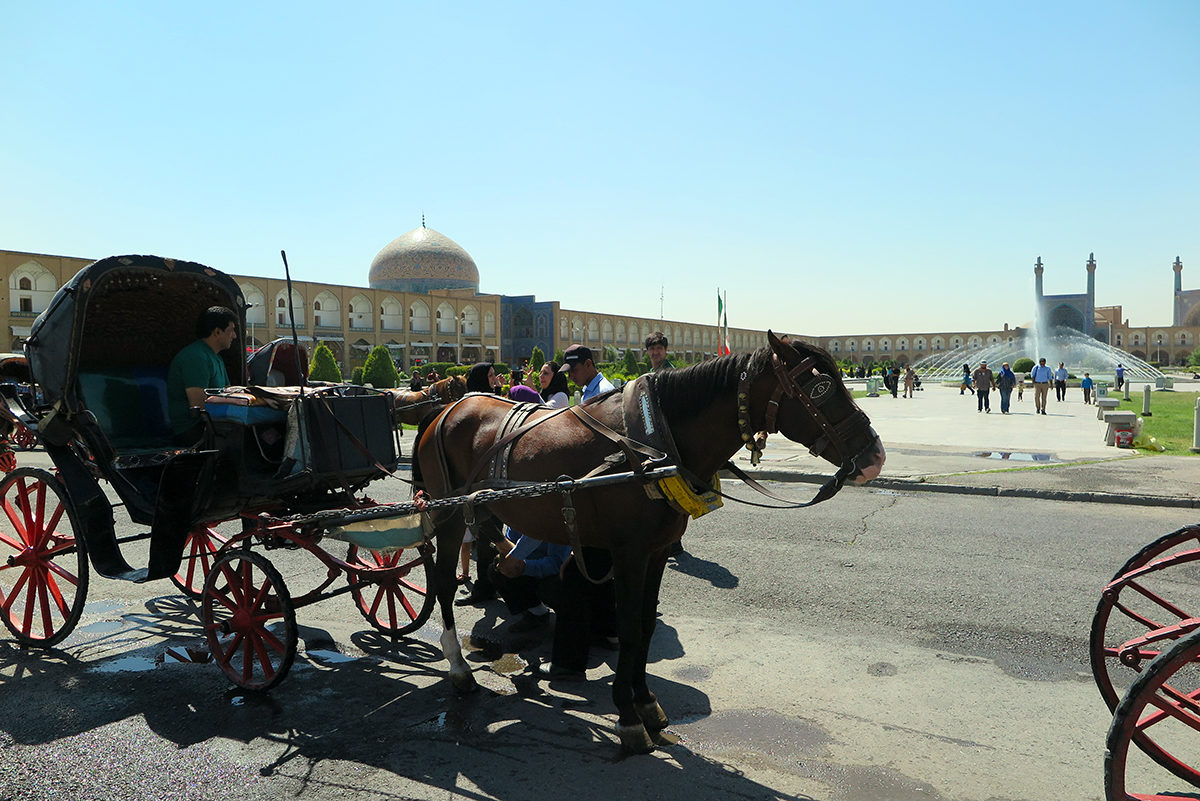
(563, 485)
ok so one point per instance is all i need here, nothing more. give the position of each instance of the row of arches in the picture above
(916, 344)
(418, 318)
(574, 327)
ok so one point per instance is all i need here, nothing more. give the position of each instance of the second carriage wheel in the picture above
(199, 554)
(248, 620)
(400, 597)
(43, 567)
(1166, 594)
(1161, 714)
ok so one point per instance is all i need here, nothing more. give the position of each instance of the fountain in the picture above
(1060, 344)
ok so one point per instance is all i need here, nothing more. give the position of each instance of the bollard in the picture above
(1126, 390)
(1146, 401)
(1196, 428)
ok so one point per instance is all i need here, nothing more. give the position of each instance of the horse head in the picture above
(448, 389)
(811, 405)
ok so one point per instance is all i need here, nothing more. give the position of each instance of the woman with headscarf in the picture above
(554, 386)
(480, 378)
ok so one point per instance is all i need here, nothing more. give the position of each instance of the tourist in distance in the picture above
(1005, 381)
(656, 352)
(910, 380)
(966, 381)
(1086, 386)
(579, 367)
(1060, 382)
(1041, 375)
(891, 380)
(1120, 375)
(983, 380)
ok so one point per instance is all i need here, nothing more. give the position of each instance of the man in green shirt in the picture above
(198, 367)
(656, 352)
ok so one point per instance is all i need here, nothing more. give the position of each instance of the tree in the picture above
(356, 376)
(558, 355)
(1194, 359)
(1022, 365)
(379, 370)
(536, 360)
(324, 367)
(631, 363)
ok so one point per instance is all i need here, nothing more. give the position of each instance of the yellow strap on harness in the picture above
(680, 495)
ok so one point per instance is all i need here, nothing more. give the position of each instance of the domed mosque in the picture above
(423, 260)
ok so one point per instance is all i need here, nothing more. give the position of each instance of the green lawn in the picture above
(1172, 418)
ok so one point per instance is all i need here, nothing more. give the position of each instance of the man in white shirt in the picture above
(579, 367)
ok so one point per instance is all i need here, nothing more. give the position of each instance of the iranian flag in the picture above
(722, 326)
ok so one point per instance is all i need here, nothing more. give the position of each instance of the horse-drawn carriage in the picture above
(1145, 654)
(290, 464)
(270, 457)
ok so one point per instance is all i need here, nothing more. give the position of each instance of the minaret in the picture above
(1089, 314)
(1037, 272)
(1180, 312)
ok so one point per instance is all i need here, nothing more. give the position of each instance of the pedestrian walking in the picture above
(1086, 386)
(983, 379)
(1005, 381)
(910, 380)
(1041, 375)
(1120, 375)
(966, 381)
(1060, 382)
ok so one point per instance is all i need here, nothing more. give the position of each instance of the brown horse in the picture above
(711, 409)
(413, 407)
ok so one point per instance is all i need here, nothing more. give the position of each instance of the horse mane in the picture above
(689, 390)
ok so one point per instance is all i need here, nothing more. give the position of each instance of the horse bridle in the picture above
(812, 394)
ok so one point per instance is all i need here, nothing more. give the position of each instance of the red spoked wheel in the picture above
(400, 596)
(43, 568)
(23, 437)
(199, 554)
(1151, 602)
(1161, 714)
(248, 620)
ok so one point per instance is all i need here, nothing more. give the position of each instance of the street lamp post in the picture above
(1158, 353)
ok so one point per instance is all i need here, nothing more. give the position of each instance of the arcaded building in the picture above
(423, 304)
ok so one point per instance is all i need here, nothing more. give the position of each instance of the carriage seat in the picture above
(130, 404)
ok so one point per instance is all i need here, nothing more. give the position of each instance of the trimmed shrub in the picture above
(356, 376)
(324, 367)
(379, 370)
(536, 359)
(1023, 365)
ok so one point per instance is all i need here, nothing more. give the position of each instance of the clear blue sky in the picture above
(837, 167)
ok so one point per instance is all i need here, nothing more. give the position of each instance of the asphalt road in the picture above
(882, 646)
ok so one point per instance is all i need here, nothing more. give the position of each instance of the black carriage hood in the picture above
(128, 311)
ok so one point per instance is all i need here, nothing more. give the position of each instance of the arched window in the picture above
(418, 318)
(489, 323)
(445, 319)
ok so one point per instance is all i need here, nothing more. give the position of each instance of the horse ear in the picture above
(783, 349)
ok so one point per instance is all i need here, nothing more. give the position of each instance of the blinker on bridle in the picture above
(811, 392)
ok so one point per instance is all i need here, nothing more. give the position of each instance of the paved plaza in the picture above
(937, 440)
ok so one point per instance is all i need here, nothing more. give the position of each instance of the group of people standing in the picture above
(892, 379)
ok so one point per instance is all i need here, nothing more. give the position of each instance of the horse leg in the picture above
(629, 577)
(449, 533)
(644, 701)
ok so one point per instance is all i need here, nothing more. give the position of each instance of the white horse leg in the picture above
(460, 672)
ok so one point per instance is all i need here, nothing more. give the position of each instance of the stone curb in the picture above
(921, 485)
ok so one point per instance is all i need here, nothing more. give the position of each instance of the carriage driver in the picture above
(198, 367)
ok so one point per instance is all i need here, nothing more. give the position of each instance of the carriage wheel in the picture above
(23, 437)
(248, 620)
(400, 597)
(43, 568)
(1135, 606)
(199, 553)
(1161, 714)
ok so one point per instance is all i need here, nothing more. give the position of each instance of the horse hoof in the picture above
(634, 739)
(652, 716)
(464, 682)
